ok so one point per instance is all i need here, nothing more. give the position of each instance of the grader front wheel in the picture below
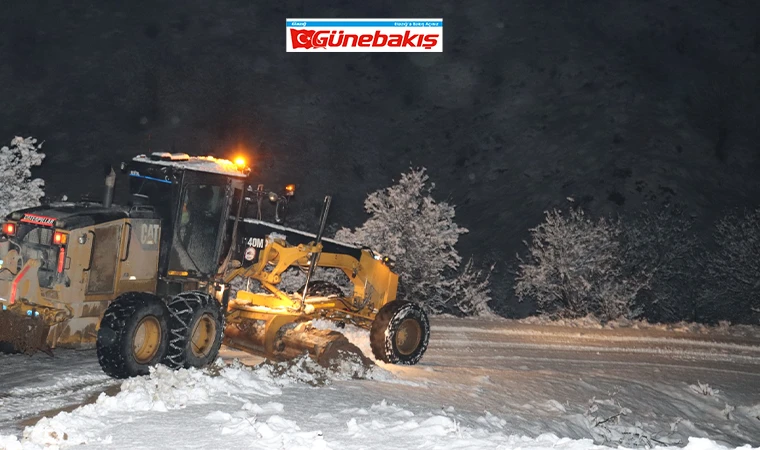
(400, 333)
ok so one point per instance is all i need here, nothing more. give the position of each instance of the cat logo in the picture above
(149, 234)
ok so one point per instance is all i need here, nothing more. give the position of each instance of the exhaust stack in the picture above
(110, 183)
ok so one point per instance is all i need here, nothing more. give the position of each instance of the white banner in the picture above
(364, 35)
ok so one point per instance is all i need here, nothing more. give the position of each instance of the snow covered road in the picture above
(32, 385)
(566, 380)
(482, 384)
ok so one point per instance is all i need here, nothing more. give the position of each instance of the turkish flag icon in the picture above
(302, 38)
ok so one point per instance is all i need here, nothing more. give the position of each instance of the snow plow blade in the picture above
(289, 341)
(23, 334)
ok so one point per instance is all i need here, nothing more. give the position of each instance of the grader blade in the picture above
(23, 334)
(291, 340)
(328, 348)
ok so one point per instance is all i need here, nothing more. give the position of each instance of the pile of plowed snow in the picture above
(193, 392)
(143, 399)
(300, 405)
(355, 335)
(229, 406)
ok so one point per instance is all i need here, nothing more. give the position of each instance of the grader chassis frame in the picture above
(374, 285)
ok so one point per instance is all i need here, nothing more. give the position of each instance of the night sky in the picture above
(619, 104)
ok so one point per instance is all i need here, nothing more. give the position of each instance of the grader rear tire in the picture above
(400, 333)
(196, 325)
(132, 335)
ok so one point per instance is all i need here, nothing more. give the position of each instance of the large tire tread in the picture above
(185, 310)
(114, 346)
(384, 327)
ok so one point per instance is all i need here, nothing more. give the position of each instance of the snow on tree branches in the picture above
(665, 244)
(407, 224)
(734, 271)
(468, 293)
(576, 266)
(17, 188)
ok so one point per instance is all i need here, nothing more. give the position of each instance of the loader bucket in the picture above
(23, 334)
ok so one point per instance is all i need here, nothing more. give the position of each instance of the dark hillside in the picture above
(616, 103)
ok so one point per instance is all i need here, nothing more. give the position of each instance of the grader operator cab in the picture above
(151, 282)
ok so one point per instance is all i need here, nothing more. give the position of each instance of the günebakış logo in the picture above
(364, 35)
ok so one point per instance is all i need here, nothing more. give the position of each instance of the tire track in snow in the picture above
(603, 340)
(19, 403)
(70, 382)
(485, 362)
(661, 351)
(447, 340)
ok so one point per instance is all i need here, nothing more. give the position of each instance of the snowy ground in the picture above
(482, 384)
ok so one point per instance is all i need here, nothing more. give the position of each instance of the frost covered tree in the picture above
(734, 272)
(664, 244)
(575, 266)
(419, 233)
(467, 294)
(17, 188)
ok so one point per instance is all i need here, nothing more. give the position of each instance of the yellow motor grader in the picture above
(151, 282)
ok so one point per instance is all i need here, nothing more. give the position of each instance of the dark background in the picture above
(618, 104)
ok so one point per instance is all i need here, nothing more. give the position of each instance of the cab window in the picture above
(196, 233)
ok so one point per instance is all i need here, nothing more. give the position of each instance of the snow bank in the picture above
(228, 406)
(189, 394)
(306, 370)
(162, 391)
(461, 397)
(389, 426)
